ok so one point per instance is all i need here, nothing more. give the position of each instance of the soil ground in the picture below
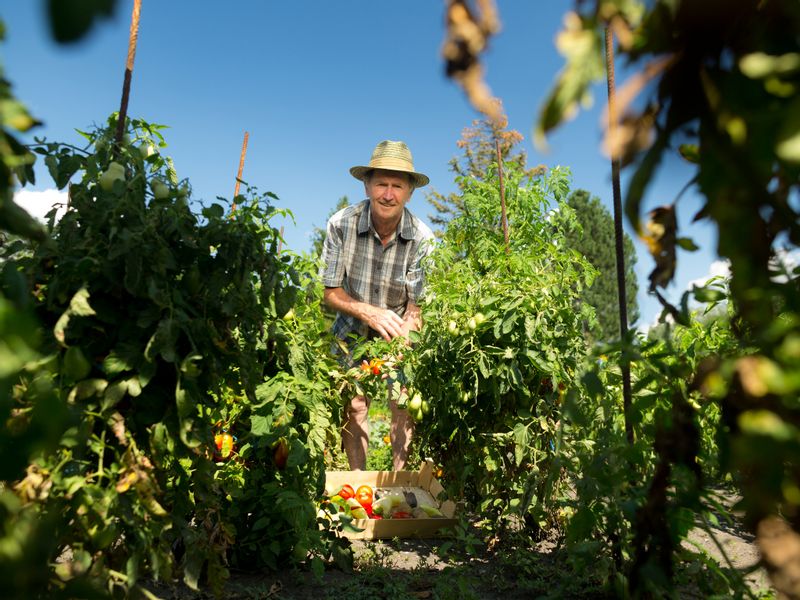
(414, 569)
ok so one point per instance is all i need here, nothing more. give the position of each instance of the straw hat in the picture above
(391, 156)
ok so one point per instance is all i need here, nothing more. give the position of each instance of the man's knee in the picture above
(357, 409)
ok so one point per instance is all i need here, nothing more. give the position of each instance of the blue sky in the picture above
(317, 84)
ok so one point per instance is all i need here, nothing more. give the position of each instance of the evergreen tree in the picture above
(318, 236)
(596, 243)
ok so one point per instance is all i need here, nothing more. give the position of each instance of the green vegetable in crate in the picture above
(356, 509)
(384, 505)
(430, 511)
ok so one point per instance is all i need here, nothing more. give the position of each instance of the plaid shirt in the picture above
(354, 259)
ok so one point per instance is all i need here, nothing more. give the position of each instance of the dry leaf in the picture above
(661, 238)
(126, 480)
(117, 424)
(467, 37)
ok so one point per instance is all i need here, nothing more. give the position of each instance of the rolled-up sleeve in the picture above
(332, 260)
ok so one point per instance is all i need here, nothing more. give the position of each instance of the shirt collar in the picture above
(406, 226)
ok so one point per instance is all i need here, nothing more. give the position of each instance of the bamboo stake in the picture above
(625, 366)
(504, 220)
(280, 241)
(126, 84)
(239, 173)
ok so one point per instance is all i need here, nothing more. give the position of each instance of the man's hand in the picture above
(386, 322)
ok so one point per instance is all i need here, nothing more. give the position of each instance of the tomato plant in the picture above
(147, 382)
(496, 326)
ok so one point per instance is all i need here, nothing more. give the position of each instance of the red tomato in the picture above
(347, 491)
(375, 364)
(364, 495)
(225, 445)
(401, 514)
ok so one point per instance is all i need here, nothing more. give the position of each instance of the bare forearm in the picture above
(412, 320)
(342, 302)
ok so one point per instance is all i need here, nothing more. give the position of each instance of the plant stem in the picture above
(126, 84)
(239, 172)
(625, 366)
(502, 194)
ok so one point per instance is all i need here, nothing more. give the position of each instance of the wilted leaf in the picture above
(126, 481)
(660, 238)
(467, 36)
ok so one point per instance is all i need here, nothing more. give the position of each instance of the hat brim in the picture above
(420, 180)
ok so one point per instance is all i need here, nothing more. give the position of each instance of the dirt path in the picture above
(731, 545)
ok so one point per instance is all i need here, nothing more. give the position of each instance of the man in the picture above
(373, 278)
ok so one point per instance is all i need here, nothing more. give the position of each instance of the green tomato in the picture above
(479, 318)
(472, 324)
(160, 189)
(147, 150)
(114, 173)
(452, 327)
(465, 397)
(426, 408)
(415, 403)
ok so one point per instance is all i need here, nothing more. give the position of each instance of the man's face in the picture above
(388, 192)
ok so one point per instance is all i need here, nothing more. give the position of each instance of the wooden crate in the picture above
(424, 485)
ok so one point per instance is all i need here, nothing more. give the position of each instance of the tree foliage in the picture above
(479, 153)
(595, 240)
(318, 236)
